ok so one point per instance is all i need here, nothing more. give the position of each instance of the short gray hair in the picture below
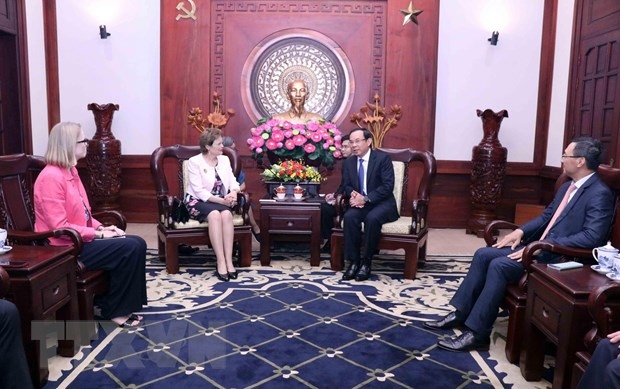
(228, 141)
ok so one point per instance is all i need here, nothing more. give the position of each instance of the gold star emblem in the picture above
(411, 14)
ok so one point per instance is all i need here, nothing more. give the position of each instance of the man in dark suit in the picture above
(14, 371)
(604, 368)
(586, 210)
(369, 181)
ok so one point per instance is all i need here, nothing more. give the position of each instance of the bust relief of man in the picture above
(297, 92)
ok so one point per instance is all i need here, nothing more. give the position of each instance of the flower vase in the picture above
(487, 175)
(103, 160)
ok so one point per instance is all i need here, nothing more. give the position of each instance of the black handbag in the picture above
(179, 212)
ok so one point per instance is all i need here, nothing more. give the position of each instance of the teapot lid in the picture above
(608, 247)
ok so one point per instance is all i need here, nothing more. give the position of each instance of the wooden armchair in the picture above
(170, 233)
(604, 308)
(4, 282)
(408, 232)
(17, 175)
(516, 295)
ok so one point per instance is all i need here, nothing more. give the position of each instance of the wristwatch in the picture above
(366, 199)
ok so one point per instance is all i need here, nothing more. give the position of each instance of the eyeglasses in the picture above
(85, 141)
(357, 141)
(571, 156)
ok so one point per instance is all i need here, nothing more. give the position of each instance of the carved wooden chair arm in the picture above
(491, 231)
(164, 205)
(568, 253)
(37, 238)
(111, 217)
(600, 309)
(419, 210)
(341, 203)
(4, 282)
(243, 206)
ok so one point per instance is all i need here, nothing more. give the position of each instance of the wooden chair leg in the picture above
(172, 257)
(514, 335)
(245, 250)
(337, 259)
(422, 254)
(411, 261)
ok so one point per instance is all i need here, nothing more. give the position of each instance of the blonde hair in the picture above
(61, 144)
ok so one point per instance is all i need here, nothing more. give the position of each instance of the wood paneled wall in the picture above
(199, 55)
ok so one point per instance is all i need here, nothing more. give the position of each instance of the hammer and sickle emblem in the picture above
(188, 13)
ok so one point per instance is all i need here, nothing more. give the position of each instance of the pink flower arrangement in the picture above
(314, 140)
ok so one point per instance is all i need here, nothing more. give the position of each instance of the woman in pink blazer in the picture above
(60, 201)
(211, 193)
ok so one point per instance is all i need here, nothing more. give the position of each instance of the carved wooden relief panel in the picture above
(247, 49)
(259, 46)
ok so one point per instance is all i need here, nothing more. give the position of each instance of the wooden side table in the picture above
(291, 221)
(557, 311)
(44, 286)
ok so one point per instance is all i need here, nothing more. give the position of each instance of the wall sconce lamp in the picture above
(103, 33)
(493, 39)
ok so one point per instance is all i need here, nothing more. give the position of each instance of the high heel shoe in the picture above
(233, 275)
(256, 235)
(222, 277)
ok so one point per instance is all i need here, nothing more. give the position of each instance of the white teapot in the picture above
(604, 255)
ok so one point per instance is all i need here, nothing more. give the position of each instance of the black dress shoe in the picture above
(233, 275)
(447, 322)
(467, 341)
(351, 271)
(187, 250)
(363, 274)
(256, 235)
(222, 277)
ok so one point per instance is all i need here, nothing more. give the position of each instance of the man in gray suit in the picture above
(585, 214)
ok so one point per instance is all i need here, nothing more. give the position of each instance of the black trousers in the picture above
(327, 220)
(125, 261)
(14, 373)
(374, 217)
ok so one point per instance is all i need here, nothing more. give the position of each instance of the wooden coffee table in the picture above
(290, 221)
(557, 311)
(43, 286)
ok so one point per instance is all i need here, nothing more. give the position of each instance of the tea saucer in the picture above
(613, 276)
(277, 199)
(5, 249)
(600, 270)
(301, 199)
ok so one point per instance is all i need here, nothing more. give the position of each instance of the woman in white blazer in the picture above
(211, 193)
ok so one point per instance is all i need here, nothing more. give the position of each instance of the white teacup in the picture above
(298, 196)
(615, 264)
(605, 255)
(281, 196)
(3, 235)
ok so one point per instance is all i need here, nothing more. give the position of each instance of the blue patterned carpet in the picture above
(289, 325)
